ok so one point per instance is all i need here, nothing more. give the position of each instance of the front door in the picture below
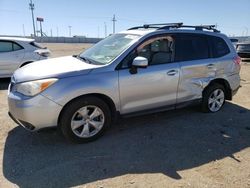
(154, 86)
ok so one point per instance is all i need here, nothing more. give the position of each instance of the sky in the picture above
(89, 17)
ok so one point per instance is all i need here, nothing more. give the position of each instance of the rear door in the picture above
(11, 55)
(196, 65)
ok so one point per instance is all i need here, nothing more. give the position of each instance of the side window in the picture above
(219, 47)
(157, 50)
(5, 46)
(191, 47)
(16, 47)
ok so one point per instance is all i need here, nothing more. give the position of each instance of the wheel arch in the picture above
(225, 84)
(103, 97)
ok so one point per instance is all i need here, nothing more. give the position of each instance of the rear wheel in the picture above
(213, 98)
(85, 119)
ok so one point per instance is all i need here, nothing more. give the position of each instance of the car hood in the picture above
(53, 68)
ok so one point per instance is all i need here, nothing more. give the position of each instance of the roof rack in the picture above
(202, 27)
(176, 25)
(157, 26)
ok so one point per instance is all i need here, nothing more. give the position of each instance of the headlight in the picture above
(34, 87)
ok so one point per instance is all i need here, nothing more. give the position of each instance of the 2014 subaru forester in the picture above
(144, 69)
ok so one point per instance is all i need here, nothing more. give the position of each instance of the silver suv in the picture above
(144, 69)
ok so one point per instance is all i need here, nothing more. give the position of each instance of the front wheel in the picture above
(213, 98)
(85, 119)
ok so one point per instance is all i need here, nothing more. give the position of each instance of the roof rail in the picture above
(202, 27)
(176, 25)
(156, 26)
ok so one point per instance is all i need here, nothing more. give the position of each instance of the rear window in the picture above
(36, 45)
(191, 47)
(219, 47)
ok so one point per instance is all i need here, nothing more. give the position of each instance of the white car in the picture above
(16, 52)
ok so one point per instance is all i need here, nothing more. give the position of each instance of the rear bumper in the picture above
(33, 113)
(235, 90)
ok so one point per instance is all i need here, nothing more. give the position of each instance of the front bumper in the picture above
(33, 113)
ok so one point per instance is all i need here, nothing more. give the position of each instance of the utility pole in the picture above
(246, 31)
(51, 34)
(40, 19)
(37, 31)
(105, 30)
(57, 31)
(98, 32)
(114, 20)
(32, 7)
(70, 30)
(23, 30)
(41, 28)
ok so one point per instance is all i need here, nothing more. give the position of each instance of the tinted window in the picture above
(5, 46)
(191, 47)
(219, 47)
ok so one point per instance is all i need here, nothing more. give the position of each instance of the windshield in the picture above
(108, 49)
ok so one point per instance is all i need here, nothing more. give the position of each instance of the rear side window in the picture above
(16, 47)
(219, 47)
(191, 47)
(8, 46)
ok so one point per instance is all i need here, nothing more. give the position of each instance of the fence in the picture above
(67, 40)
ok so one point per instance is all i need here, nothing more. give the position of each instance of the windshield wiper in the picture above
(83, 59)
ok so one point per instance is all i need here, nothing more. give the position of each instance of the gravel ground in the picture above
(180, 148)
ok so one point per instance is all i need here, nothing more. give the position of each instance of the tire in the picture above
(209, 98)
(84, 119)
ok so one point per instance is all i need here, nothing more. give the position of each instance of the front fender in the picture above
(67, 89)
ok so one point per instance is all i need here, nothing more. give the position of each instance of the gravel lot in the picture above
(180, 148)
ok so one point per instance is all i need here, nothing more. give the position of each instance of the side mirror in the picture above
(138, 62)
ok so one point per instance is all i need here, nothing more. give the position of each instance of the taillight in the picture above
(237, 60)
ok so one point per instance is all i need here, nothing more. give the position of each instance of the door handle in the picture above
(172, 72)
(210, 66)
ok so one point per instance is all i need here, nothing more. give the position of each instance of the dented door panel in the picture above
(194, 77)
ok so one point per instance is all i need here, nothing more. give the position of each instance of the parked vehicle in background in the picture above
(144, 69)
(243, 50)
(16, 52)
(234, 41)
